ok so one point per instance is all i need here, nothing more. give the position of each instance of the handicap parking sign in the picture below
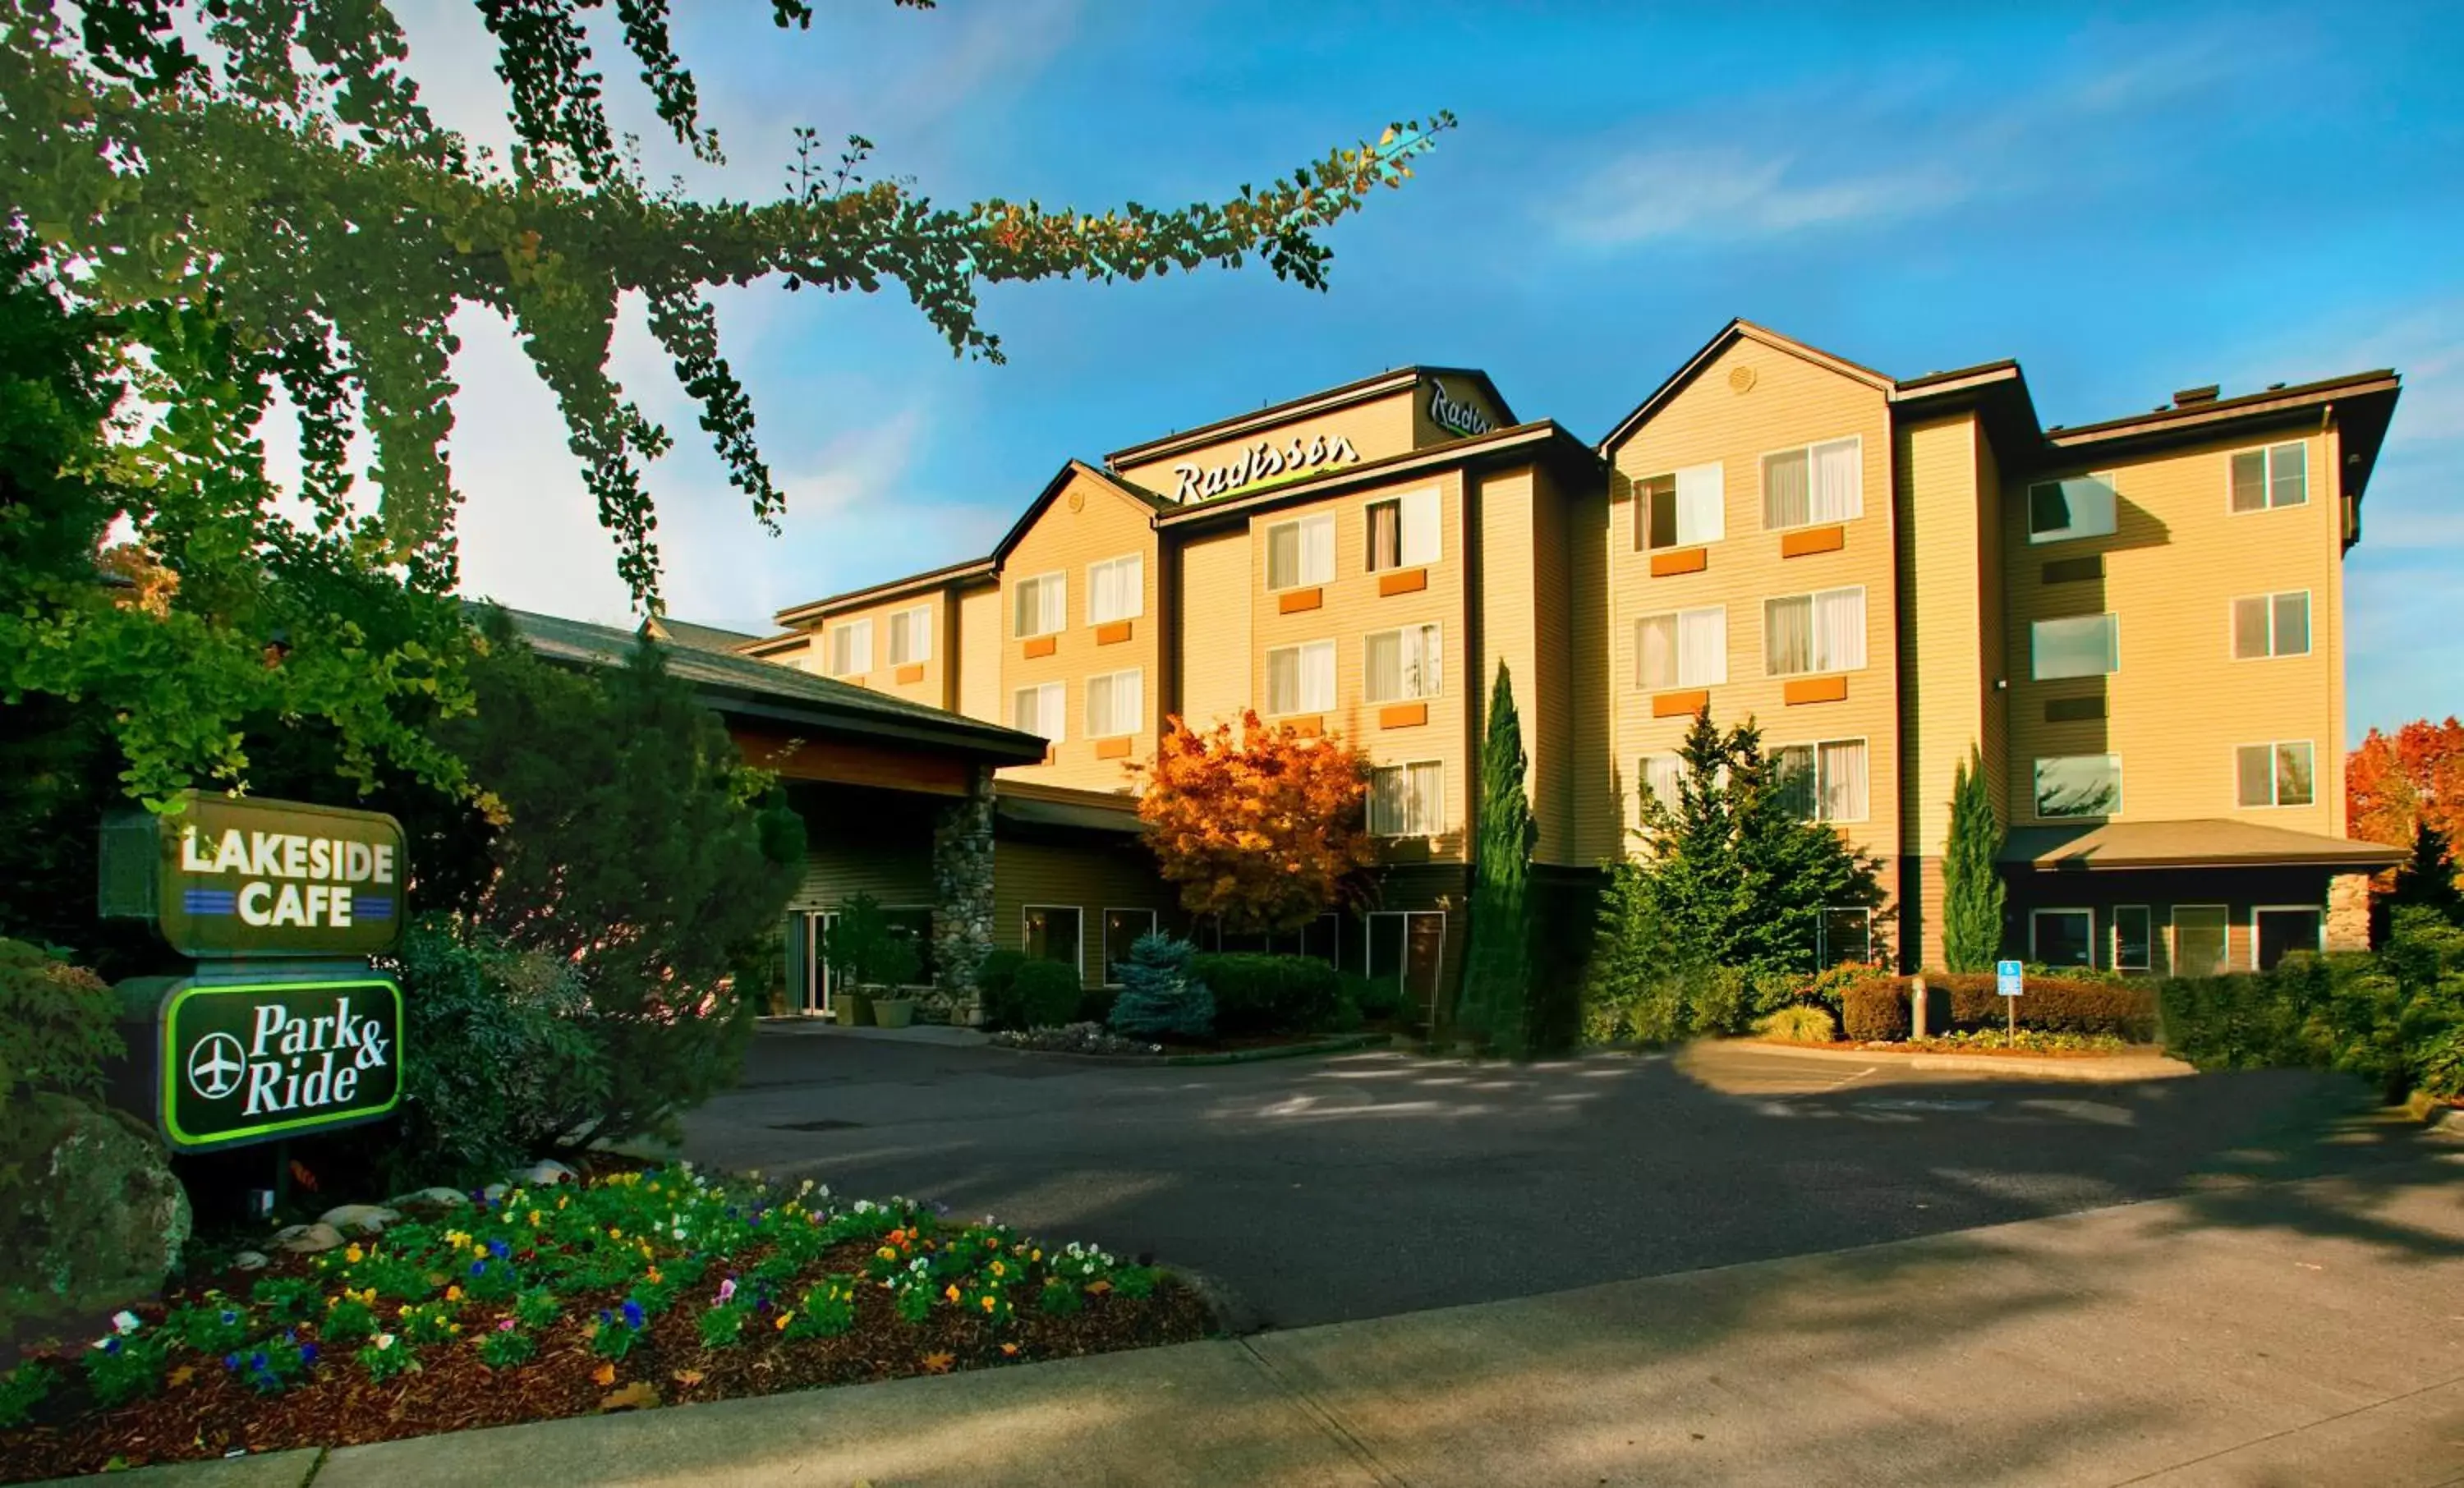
(2007, 978)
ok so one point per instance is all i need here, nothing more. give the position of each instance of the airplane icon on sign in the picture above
(215, 1067)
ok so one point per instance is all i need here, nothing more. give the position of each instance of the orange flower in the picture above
(605, 1375)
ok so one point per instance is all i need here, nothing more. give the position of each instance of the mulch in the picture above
(213, 1413)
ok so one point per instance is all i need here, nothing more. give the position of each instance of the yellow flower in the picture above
(454, 1294)
(784, 1318)
(953, 1292)
(615, 1233)
(988, 1304)
(560, 1201)
(535, 1218)
(1035, 1254)
(651, 1275)
(453, 1327)
(887, 1253)
(999, 1269)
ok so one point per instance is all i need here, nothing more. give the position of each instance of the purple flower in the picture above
(478, 1268)
(111, 1346)
(256, 1359)
(231, 1361)
(505, 1326)
(499, 1248)
(307, 1353)
(632, 1313)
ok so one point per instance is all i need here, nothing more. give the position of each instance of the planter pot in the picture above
(894, 1012)
(853, 1009)
(969, 1017)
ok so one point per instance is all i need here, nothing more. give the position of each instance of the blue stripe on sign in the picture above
(371, 908)
(209, 901)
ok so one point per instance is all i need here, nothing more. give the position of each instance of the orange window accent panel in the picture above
(1308, 728)
(1680, 705)
(1041, 646)
(1403, 715)
(1815, 689)
(1291, 602)
(1113, 632)
(1685, 561)
(1409, 581)
(912, 672)
(1112, 748)
(1812, 540)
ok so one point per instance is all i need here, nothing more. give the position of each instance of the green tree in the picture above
(1971, 875)
(1698, 889)
(1794, 869)
(1497, 968)
(2426, 880)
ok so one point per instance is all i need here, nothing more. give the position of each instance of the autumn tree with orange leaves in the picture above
(1267, 829)
(2412, 777)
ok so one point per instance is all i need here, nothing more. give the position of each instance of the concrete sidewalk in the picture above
(2307, 1333)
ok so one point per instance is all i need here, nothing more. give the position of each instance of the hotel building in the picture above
(2136, 624)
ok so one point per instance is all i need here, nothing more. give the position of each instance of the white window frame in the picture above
(2276, 786)
(1820, 793)
(2037, 794)
(2309, 628)
(1302, 526)
(1432, 669)
(2257, 910)
(1154, 922)
(1681, 616)
(1059, 612)
(1058, 716)
(1301, 675)
(1113, 680)
(1812, 599)
(1429, 530)
(916, 616)
(1137, 562)
(830, 648)
(2035, 950)
(1369, 940)
(2110, 481)
(2268, 453)
(1762, 473)
(1708, 486)
(2173, 940)
(1437, 807)
(2113, 945)
(2112, 646)
(1080, 910)
(1642, 779)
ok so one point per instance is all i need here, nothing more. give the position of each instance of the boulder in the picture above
(543, 1173)
(96, 1218)
(250, 1261)
(442, 1198)
(307, 1239)
(362, 1219)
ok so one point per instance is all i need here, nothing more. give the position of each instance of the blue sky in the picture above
(2128, 202)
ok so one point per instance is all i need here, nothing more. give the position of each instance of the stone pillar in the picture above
(2348, 912)
(963, 884)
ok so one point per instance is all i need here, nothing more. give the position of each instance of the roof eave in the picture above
(931, 578)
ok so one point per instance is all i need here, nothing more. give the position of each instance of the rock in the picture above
(97, 1218)
(307, 1239)
(546, 1172)
(442, 1198)
(493, 1191)
(250, 1261)
(365, 1219)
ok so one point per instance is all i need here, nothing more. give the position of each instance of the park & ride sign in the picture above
(253, 1059)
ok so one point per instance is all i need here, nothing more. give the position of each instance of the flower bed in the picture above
(633, 1290)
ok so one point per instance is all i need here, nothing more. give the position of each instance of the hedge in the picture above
(1036, 994)
(1269, 993)
(1874, 1011)
(2055, 1004)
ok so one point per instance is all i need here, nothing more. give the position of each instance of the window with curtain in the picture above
(1685, 649)
(1040, 607)
(2202, 940)
(2276, 774)
(1792, 768)
(1402, 532)
(2278, 476)
(911, 635)
(851, 648)
(2080, 506)
(1814, 632)
(1407, 800)
(1300, 679)
(1824, 781)
(2078, 785)
(1683, 510)
(1038, 711)
(1117, 589)
(2075, 645)
(2271, 624)
(1300, 553)
(1403, 665)
(1115, 704)
(1662, 775)
(1819, 484)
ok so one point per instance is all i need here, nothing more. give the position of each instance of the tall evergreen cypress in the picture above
(2428, 878)
(1497, 970)
(1972, 880)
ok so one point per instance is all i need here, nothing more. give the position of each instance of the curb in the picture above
(2094, 1068)
(1347, 1044)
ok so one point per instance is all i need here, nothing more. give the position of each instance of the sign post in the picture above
(2009, 978)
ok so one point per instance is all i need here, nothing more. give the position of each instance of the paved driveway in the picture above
(1323, 1190)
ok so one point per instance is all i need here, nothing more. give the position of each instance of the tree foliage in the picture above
(2428, 878)
(1972, 891)
(2395, 782)
(1266, 829)
(1160, 997)
(1497, 964)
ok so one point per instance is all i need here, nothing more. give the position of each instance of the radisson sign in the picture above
(1262, 461)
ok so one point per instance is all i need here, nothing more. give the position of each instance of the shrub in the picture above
(55, 1025)
(866, 950)
(1379, 996)
(1268, 994)
(1714, 999)
(1042, 994)
(1095, 1005)
(995, 975)
(1159, 997)
(1874, 1010)
(1800, 1024)
(2054, 1004)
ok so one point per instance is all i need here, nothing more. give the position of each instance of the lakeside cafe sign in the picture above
(284, 1027)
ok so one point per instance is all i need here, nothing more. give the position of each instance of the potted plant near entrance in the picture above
(867, 959)
(894, 1006)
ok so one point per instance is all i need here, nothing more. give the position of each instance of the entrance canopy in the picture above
(2207, 842)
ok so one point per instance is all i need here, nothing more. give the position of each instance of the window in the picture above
(1117, 704)
(1038, 710)
(2272, 624)
(1300, 553)
(2081, 506)
(1122, 929)
(2277, 930)
(1661, 776)
(1686, 649)
(851, 648)
(2276, 774)
(1682, 511)
(1403, 665)
(1300, 679)
(1117, 589)
(2202, 940)
(1402, 532)
(2079, 785)
(1408, 800)
(2062, 937)
(1041, 606)
(2278, 476)
(1814, 632)
(1820, 483)
(2075, 645)
(911, 635)
(1049, 932)
(1407, 948)
(1844, 935)
(1823, 782)
(2133, 937)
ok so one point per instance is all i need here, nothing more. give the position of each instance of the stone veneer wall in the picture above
(2348, 912)
(963, 884)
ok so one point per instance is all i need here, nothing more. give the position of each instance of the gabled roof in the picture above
(1736, 331)
(1145, 500)
(796, 615)
(701, 638)
(2205, 843)
(1367, 390)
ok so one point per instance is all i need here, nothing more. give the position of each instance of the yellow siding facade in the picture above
(1216, 599)
(1089, 522)
(978, 650)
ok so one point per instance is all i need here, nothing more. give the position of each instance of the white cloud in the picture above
(1731, 193)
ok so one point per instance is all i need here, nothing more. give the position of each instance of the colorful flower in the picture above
(124, 1322)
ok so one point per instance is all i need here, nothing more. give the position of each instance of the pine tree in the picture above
(2428, 878)
(1794, 869)
(1497, 970)
(1698, 888)
(1971, 877)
